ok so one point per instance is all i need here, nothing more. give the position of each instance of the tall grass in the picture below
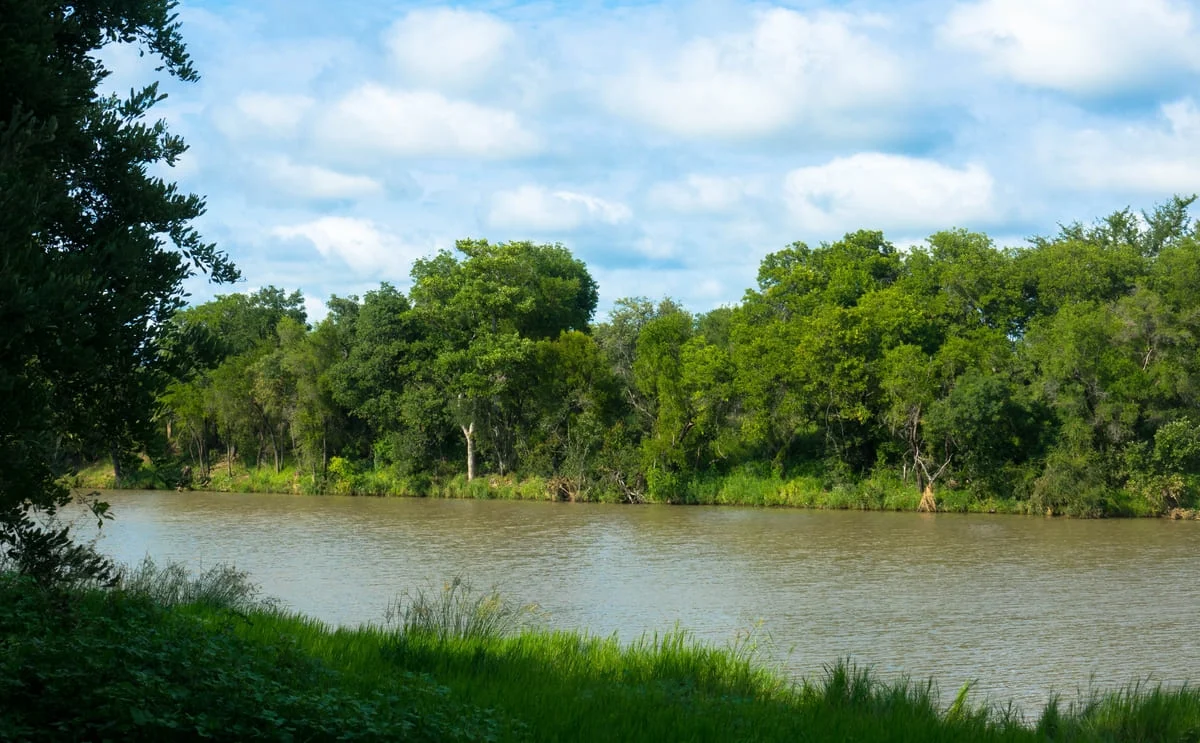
(459, 610)
(1136, 712)
(560, 686)
(219, 587)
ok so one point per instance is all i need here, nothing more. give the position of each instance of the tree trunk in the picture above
(469, 434)
(204, 450)
(116, 463)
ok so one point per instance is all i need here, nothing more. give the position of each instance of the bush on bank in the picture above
(878, 492)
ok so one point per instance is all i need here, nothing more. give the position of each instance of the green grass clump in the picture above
(458, 610)
(492, 487)
(221, 586)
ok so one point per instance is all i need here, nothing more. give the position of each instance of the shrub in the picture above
(118, 666)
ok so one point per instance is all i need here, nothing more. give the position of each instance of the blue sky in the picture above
(671, 145)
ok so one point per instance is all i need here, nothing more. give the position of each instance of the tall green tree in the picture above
(485, 312)
(94, 248)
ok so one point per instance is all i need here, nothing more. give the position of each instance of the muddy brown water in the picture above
(1021, 605)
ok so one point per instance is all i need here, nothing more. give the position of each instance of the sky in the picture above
(669, 145)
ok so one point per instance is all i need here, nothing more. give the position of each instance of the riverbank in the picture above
(166, 658)
(879, 492)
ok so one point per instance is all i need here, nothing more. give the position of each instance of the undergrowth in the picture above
(117, 665)
(169, 656)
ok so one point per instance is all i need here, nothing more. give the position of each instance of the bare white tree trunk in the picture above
(469, 434)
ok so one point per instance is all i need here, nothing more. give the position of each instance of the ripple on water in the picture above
(1020, 605)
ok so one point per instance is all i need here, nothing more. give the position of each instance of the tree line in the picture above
(1062, 374)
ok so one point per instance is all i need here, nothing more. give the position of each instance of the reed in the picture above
(457, 609)
(219, 587)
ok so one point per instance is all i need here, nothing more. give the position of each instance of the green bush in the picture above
(119, 666)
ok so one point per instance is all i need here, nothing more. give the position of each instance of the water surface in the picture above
(1022, 605)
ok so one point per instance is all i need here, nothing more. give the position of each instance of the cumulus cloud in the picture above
(315, 310)
(694, 286)
(541, 210)
(1078, 46)
(314, 182)
(1160, 157)
(703, 193)
(788, 67)
(878, 191)
(658, 139)
(264, 114)
(447, 46)
(380, 120)
(359, 243)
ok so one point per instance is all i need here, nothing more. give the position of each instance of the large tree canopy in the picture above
(93, 248)
(488, 311)
(1061, 376)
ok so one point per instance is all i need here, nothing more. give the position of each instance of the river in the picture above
(1021, 605)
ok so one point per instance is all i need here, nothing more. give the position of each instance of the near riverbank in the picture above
(167, 657)
(880, 492)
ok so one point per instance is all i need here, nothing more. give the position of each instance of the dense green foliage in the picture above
(90, 665)
(163, 660)
(93, 248)
(1060, 377)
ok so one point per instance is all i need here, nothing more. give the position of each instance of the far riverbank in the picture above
(879, 492)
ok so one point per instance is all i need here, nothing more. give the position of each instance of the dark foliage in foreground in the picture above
(115, 666)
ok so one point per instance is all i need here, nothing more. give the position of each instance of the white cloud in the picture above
(878, 191)
(1159, 158)
(276, 114)
(536, 208)
(702, 193)
(447, 46)
(315, 310)
(378, 120)
(314, 182)
(239, 47)
(694, 286)
(1078, 46)
(359, 243)
(658, 247)
(789, 67)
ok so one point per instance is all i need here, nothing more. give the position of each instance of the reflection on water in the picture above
(1022, 605)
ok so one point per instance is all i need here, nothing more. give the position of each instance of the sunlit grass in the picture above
(569, 686)
(666, 687)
